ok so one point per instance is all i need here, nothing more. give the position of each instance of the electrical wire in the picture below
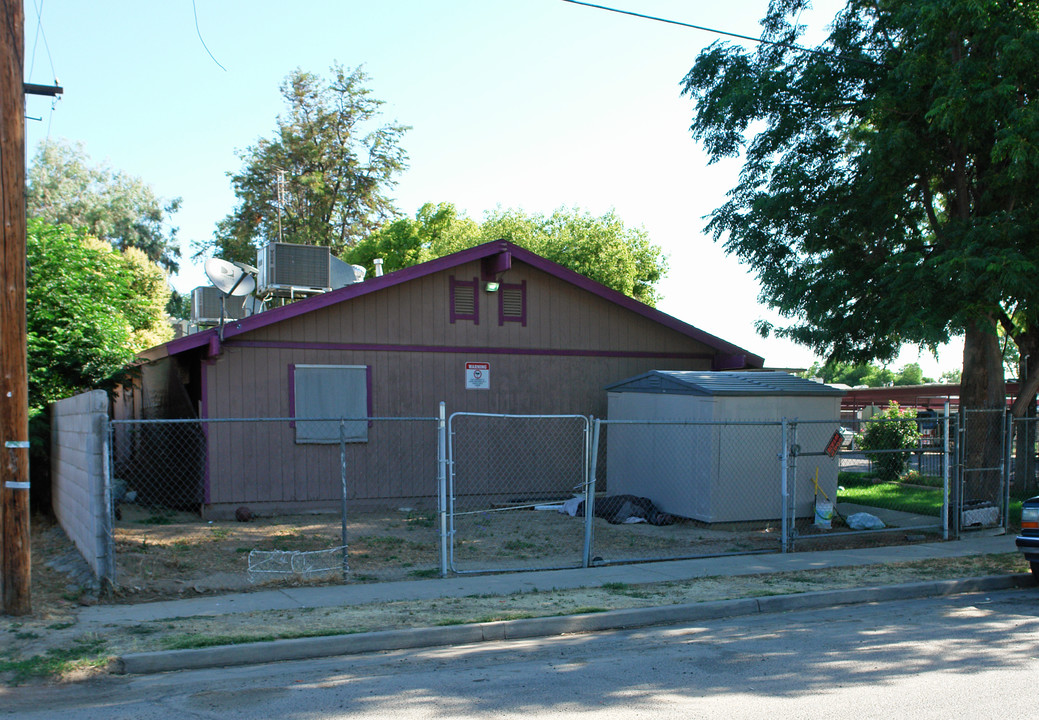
(195, 10)
(762, 41)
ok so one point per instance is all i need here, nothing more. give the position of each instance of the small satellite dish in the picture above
(230, 278)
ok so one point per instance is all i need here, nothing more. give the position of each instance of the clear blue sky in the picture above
(532, 104)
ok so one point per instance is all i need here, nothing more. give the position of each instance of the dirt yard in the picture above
(162, 554)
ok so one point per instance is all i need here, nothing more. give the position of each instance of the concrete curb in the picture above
(329, 646)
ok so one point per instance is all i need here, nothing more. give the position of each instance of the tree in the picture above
(891, 429)
(600, 248)
(858, 374)
(64, 187)
(911, 374)
(326, 161)
(89, 310)
(437, 230)
(888, 185)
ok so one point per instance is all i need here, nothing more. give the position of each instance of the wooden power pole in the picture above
(14, 394)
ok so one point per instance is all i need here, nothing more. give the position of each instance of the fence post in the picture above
(442, 485)
(342, 471)
(107, 518)
(783, 456)
(589, 494)
(945, 473)
(791, 484)
(1008, 441)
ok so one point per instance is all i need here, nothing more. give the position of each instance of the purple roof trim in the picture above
(464, 349)
(447, 262)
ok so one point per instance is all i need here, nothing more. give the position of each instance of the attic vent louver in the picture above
(513, 303)
(464, 300)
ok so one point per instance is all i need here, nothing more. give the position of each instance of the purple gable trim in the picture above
(377, 347)
(495, 265)
(618, 298)
(448, 262)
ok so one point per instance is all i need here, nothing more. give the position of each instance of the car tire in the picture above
(1035, 569)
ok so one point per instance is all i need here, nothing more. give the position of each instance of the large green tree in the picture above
(601, 248)
(63, 186)
(868, 374)
(89, 310)
(888, 190)
(323, 178)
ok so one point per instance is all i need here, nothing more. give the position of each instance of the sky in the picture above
(529, 104)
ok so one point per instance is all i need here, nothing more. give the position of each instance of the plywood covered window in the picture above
(512, 303)
(465, 300)
(331, 392)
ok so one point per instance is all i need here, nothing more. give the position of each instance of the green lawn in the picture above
(895, 496)
(912, 498)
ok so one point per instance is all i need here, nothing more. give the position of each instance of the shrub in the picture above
(890, 429)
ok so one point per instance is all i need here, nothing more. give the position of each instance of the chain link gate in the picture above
(509, 477)
(983, 490)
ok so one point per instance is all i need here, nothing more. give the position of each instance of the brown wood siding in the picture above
(421, 362)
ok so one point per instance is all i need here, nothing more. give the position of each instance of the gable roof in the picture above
(696, 382)
(498, 256)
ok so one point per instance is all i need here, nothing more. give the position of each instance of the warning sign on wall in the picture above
(477, 376)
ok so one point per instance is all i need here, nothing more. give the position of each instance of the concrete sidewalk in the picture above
(98, 617)
(93, 618)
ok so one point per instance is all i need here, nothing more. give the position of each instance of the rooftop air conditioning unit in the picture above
(290, 270)
(205, 306)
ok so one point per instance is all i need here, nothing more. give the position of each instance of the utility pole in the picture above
(14, 393)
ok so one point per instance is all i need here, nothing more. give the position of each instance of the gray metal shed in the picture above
(723, 464)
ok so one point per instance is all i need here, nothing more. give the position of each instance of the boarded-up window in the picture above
(465, 300)
(331, 393)
(512, 303)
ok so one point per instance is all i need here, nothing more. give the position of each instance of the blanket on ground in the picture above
(616, 509)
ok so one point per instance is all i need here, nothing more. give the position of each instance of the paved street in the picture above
(973, 655)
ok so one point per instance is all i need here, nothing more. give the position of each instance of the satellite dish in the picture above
(231, 278)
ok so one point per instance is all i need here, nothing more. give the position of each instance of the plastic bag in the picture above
(865, 521)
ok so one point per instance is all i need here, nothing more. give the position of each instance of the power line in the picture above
(46, 46)
(195, 10)
(716, 31)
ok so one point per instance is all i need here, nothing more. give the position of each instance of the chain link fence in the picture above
(983, 491)
(509, 476)
(898, 471)
(712, 489)
(201, 505)
(1024, 468)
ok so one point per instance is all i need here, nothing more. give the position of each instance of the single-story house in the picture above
(491, 329)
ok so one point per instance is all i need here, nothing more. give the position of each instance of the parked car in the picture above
(1028, 540)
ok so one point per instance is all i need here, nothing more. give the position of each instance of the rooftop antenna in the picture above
(280, 189)
(231, 279)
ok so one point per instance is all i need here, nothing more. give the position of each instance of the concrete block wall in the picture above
(78, 469)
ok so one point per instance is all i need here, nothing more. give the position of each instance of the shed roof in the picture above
(712, 383)
(497, 255)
